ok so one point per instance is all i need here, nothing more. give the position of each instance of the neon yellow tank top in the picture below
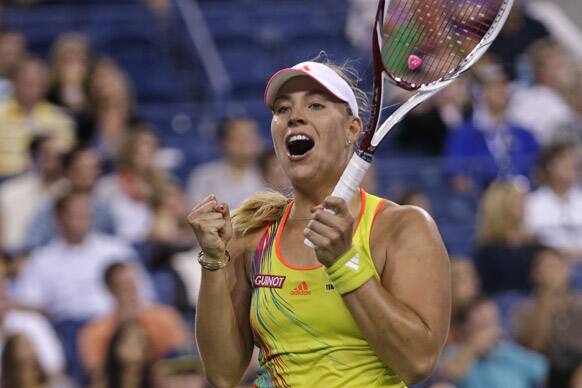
(306, 335)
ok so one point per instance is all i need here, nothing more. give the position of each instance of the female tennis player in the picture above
(368, 307)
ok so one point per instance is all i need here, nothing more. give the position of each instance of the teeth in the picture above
(298, 137)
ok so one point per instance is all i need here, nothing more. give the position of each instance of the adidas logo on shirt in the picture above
(354, 263)
(301, 289)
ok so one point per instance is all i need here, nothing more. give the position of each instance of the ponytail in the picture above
(257, 211)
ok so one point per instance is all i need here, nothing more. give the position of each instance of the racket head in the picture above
(422, 42)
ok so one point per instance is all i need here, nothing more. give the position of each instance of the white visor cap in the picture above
(323, 74)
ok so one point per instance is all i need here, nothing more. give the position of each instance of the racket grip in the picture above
(348, 183)
(351, 178)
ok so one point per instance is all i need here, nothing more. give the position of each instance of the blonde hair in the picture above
(257, 211)
(497, 217)
(64, 43)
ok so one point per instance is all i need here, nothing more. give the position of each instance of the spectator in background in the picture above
(162, 325)
(22, 369)
(81, 170)
(170, 235)
(370, 181)
(505, 249)
(542, 107)
(35, 327)
(240, 143)
(70, 65)
(487, 145)
(482, 359)
(553, 213)
(359, 23)
(424, 130)
(132, 189)
(273, 176)
(127, 365)
(518, 33)
(113, 110)
(27, 114)
(551, 322)
(12, 52)
(39, 184)
(465, 289)
(64, 278)
(170, 209)
(465, 283)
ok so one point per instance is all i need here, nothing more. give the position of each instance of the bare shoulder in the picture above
(393, 220)
(404, 231)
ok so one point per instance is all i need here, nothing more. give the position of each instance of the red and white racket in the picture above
(422, 46)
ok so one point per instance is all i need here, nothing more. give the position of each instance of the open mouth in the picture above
(299, 144)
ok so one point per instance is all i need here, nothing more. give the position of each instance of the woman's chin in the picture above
(302, 174)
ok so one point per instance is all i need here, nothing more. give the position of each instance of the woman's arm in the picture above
(222, 322)
(405, 315)
(222, 315)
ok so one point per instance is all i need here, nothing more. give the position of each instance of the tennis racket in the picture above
(422, 46)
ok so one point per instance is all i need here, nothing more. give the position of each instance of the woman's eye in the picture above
(316, 106)
(282, 109)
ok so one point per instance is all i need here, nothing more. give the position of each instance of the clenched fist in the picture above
(210, 221)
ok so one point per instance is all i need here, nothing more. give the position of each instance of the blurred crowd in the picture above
(98, 269)
(510, 132)
(98, 282)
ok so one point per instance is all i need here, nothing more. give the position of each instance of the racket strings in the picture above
(441, 33)
(433, 66)
(453, 61)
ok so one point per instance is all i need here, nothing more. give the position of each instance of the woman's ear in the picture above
(355, 128)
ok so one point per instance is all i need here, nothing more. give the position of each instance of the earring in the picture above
(348, 142)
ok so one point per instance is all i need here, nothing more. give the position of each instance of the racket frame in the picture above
(362, 158)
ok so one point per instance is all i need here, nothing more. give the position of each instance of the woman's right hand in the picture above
(210, 221)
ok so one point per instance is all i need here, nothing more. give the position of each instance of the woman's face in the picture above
(310, 130)
(563, 168)
(465, 282)
(73, 53)
(107, 82)
(143, 152)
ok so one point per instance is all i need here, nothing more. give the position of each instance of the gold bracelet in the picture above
(213, 265)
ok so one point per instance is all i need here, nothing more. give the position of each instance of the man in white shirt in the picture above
(34, 188)
(234, 177)
(64, 278)
(36, 328)
(541, 107)
(553, 213)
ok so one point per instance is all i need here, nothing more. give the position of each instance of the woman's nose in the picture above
(296, 118)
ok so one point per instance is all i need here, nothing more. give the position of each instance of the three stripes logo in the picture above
(354, 263)
(301, 289)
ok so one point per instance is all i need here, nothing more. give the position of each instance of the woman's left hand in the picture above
(331, 233)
